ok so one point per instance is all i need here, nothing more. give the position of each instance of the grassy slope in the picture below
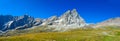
(106, 34)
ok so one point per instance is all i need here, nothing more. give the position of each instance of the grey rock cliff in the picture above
(70, 18)
(9, 22)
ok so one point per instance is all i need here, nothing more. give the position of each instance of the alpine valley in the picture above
(68, 27)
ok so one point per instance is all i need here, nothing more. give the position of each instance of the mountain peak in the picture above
(70, 18)
(70, 13)
(74, 10)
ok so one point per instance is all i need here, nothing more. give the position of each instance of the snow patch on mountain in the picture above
(8, 24)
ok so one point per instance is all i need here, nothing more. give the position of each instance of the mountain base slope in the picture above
(88, 34)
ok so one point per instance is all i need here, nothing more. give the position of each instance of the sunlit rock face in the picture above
(69, 20)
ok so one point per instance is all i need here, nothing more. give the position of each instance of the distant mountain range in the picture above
(70, 19)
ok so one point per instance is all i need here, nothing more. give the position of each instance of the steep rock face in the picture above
(110, 22)
(25, 21)
(9, 22)
(68, 19)
(71, 18)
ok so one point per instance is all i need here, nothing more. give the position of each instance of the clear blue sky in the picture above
(91, 10)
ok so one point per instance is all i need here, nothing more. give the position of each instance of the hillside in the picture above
(108, 33)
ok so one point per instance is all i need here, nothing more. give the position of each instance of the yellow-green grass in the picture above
(100, 34)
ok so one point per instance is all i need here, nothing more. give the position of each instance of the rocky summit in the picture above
(70, 18)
